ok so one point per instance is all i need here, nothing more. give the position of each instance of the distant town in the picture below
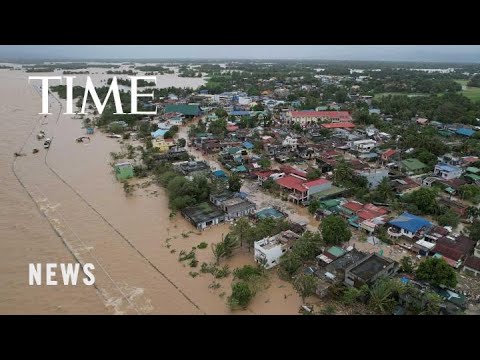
(356, 182)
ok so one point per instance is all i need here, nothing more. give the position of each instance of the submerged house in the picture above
(124, 171)
(204, 215)
(188, 111)
(269, 250)
(233, 204)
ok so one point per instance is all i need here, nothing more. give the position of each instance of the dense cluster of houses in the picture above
(329, 135)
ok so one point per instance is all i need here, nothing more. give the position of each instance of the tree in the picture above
(241, 229)
(181, 142)
(381, 296)
(470, 192)
(221, 113)
(342, 173)
(384, 191)
(313, 206)
(290, 263)
(425, 199)
(437, 272)
(218, 251)
(224, 248)
(406, 264)
(241, 295)
(448, 218)
(234, 183)
(474, 231)
(306, 285)
(313, 174)
(335, 230)
(265, 163)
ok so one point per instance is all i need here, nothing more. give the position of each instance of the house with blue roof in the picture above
(239, 113)
(220, 174)
(408, 225)
(247, 145)
(465, 132)
(447, 172)
(160, 133)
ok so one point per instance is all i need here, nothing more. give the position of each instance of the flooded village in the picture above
(256, 188)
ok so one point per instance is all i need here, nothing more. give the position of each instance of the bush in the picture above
(202, 245)
(241, 295)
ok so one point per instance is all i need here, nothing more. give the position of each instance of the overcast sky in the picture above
(445, 53)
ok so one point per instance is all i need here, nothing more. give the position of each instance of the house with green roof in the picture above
(473, 174)
(184, 109)
(414, 166)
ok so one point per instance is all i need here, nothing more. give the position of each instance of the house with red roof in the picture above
(339, 125)
(454, 249)
(300, 189)
(387, 155)
(307, 117)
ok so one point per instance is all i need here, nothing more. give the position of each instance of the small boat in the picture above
(40, 135)
(114, 136)
(35, 151)
(47, 143)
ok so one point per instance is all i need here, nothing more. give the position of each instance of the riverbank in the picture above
(127, 235)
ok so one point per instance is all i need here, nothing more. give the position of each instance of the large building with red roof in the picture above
(301, 190)
(306, 117)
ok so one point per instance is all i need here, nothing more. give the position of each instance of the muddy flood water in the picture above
(64, 205)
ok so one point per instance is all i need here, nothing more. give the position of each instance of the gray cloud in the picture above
(445, 53)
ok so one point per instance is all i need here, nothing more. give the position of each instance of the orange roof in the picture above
(292, 182)
(353, 205)
(339, 125)
(341, 115)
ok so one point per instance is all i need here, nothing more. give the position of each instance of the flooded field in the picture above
(64, 205)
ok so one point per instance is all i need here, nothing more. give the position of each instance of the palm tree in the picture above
(384, 190)
(381, 296)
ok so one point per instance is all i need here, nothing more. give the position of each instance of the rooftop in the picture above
(189, 110)
(473, 262)
(280, 239)
(339, 125)
(269, 213)
(202, 212)
(342, 115)
(370, 266)
(413, 164)
(188, 167)
(410, 222)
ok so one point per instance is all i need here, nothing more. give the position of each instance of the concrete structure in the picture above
(204, 215)
(162, 144)
(302, 190)
(233, 204)
(447, 172)
(363, 146)
(374, 176)
(369, 269)
(124, 171)
(310, 117)
(268, 251)
(192, 168)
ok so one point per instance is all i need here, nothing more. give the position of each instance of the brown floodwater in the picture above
(65, 205)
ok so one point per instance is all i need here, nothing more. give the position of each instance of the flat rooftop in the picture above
(280, 239)
(369, 267)
(202, 212)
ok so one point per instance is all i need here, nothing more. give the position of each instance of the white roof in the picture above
(425, 244)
